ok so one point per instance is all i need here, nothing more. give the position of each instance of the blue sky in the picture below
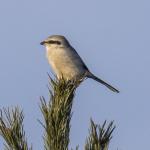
(112, 37)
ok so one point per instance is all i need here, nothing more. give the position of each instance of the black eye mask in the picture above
(54, 42)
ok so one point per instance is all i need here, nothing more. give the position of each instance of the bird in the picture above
(66, 62)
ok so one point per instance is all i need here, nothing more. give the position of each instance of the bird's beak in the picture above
(43, 42)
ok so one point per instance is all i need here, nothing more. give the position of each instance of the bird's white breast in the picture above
(65, 63)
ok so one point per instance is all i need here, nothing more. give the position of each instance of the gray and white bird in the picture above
(66, 62)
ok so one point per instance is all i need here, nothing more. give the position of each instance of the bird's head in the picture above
(55, 41)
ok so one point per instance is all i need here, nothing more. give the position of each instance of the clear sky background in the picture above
(112, 37)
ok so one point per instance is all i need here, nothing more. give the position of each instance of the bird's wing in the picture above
(76, 55)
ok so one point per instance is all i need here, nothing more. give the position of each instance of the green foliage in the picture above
(11, 129)
(99, 137)
(57, 114)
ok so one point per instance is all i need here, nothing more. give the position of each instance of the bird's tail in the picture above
(90, 75)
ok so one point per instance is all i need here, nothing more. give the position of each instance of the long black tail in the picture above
(90, 75)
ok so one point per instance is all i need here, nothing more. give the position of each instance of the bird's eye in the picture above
(54, 42)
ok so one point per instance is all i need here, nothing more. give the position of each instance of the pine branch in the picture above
(100, 136)
(57, 114)
(12, 130)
